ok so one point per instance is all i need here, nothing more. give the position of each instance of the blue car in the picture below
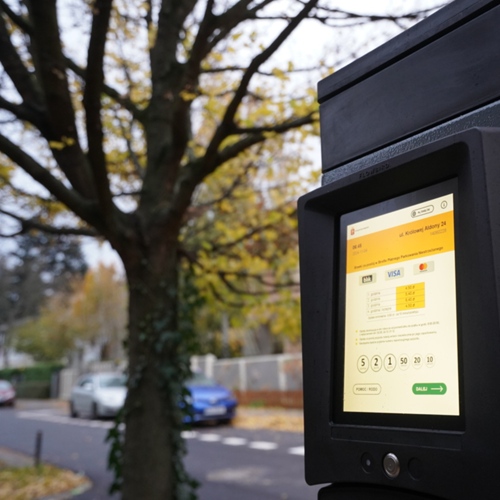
(209, 400)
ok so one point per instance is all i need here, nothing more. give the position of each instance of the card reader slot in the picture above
(443, 441)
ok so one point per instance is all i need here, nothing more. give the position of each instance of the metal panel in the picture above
(455, 74)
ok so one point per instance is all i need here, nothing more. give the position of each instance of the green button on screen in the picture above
(429, 389)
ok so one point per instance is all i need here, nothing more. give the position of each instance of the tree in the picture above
(51, 336)
(92, 311)
(98, 310)
(116, 141)
(38, 267)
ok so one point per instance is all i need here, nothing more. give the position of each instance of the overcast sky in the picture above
(310, 41)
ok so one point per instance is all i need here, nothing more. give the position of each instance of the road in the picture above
(230, 463)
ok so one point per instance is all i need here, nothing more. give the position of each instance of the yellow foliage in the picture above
(63, 143)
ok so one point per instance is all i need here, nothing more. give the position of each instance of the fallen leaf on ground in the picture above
(272, 422)
(28, 483)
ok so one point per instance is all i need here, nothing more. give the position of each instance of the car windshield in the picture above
(200, 379)
(109, 381)
(4, 385)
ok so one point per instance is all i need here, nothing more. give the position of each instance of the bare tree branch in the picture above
(138, 114)
(83, 208)
(21, 21)
(17, 71)
(33, 223)
(133, 156)
(259, 72)
(92, 103)
(238, 180)
(259, 278)
(51, 73)
(22, 112)
(225, 128)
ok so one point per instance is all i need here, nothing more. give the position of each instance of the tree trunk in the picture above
(158, 365)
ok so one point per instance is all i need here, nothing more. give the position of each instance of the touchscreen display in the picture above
(400, 351)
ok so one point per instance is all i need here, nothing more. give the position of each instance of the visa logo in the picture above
(394, 273)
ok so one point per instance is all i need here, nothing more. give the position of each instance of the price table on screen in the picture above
(400, 298)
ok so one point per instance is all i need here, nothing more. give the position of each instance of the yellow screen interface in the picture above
(400, 322)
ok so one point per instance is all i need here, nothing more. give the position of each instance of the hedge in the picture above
(33, 389)
(41, 372)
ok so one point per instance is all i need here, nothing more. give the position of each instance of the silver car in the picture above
(98, 395)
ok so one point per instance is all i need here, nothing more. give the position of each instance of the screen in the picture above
(400, 348)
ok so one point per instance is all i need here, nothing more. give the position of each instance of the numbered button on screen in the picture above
(390, 362)
(376, 363)
(430, 360)
(363, 364)
(417, 361)
(404, 361)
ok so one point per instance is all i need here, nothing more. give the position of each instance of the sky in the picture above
(312, 41)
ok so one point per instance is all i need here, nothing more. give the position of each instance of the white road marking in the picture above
(263, 445)
(61, 419)
(209, 438)
(297, 450)
(234, 441)
(189, 434)
(50, 416)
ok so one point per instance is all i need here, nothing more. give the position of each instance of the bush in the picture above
(33, 390)
(41, 372)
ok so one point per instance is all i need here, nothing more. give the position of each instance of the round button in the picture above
(367, 463)
(363, 364)
(404, 361)
(430, 360)
(417, 361)
(376, 363)
(391, 465)
(390, 362)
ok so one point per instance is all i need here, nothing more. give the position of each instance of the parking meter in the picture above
(400, 268)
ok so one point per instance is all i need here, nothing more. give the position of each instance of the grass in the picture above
(28, 483)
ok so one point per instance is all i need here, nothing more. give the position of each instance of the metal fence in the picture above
(268, 380)
(271, 380)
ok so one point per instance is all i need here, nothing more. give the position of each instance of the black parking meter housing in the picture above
(449, 458)
(372, 453)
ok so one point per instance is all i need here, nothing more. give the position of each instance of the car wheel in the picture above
(94, 415)
(72, 410)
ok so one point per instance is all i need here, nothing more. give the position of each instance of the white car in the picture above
(98, 395)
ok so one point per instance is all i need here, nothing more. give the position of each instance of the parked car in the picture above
(209, 400)
(7, 393)
(103, 394)
(98, 395)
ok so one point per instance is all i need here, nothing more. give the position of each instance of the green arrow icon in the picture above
(438, 389)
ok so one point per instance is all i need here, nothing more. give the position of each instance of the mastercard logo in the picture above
(424, 267)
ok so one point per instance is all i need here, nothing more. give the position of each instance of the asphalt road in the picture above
(229, 463)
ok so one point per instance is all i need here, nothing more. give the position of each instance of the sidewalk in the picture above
(37, 404)
(11, 458)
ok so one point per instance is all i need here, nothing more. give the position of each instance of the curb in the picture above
(66, 495)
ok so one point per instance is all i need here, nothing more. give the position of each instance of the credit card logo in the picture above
(394, 273)
(368, 278)
(423, 267)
